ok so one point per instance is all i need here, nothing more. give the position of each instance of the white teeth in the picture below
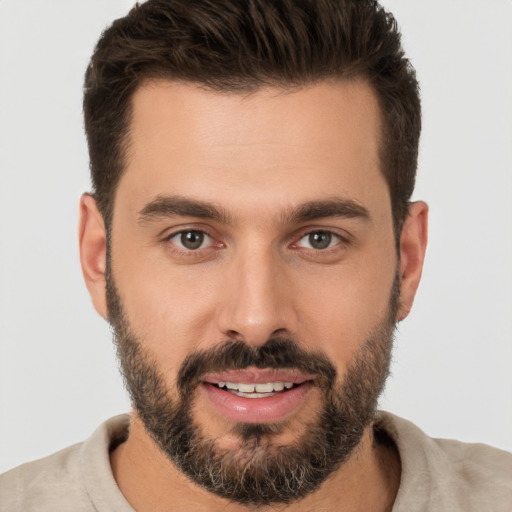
(246, 388)
(266, 387)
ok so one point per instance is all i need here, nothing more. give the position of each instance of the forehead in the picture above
(266, 148)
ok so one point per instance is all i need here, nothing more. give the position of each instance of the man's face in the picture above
(252, 243)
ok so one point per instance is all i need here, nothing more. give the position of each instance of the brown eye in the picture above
(191, 240)
(319, 240)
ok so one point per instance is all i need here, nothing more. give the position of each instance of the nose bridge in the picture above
(257, 302)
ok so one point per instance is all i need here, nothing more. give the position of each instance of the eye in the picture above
(191, 240)
(319, 240)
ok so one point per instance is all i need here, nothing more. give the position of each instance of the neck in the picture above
(368, 480)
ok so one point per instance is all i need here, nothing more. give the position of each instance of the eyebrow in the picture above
(172, 206)
(332, 207)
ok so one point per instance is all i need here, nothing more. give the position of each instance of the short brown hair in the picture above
(243, 45)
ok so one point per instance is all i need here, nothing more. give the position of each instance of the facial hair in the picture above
(258, 473)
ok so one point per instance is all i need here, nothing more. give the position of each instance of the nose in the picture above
(258, 299)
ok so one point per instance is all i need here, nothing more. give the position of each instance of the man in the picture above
(251, 240)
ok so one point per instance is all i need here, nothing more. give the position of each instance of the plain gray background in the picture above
(452, 373)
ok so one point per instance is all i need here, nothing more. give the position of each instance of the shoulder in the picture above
(32, 485)
(446, 474)
(77, 478)
(478, 460)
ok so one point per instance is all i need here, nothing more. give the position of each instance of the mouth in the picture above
(257, 395)
(263, 390)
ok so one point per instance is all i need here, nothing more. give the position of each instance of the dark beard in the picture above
(259, 472)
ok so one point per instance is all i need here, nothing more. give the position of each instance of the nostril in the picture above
(233, 334)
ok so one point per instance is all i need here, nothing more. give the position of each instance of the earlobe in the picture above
(413, 244)
(93, 252)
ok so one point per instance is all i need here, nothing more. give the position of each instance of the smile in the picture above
(257, 395)
(255, 390)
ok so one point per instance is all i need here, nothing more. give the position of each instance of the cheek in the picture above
(170, 309)
(339, 316)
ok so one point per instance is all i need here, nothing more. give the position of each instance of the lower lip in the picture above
(257, 410)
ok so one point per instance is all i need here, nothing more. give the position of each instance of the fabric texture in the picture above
(437, 475)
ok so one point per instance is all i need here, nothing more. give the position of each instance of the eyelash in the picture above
(342, 242)
(199, 252)
(338, 239)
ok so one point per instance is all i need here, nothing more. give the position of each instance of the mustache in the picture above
(276, 353)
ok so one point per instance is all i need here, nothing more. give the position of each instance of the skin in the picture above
(257, 157)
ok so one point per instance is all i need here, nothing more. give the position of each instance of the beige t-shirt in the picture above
(437, 475)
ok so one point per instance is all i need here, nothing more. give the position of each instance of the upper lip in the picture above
(258, 376)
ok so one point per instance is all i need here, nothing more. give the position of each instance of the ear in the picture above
(413, 244)
(93, 252)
